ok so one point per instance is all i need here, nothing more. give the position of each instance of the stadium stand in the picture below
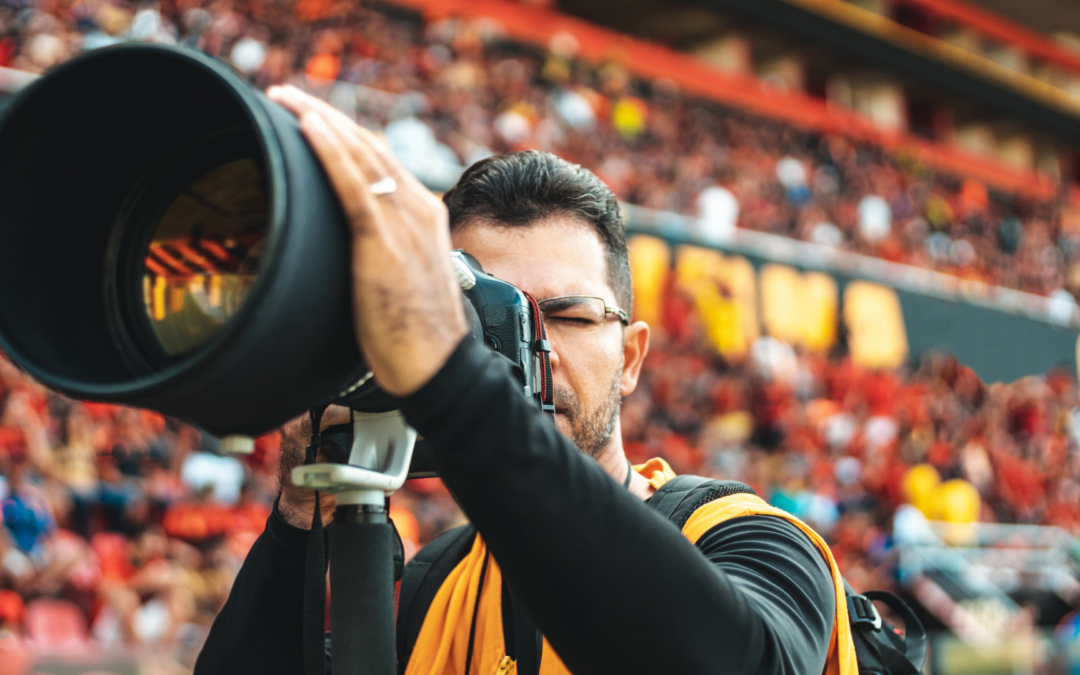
(459, 89)
(128, 527)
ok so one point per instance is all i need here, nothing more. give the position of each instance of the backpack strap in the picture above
(524, 642)
(914, 632)
(878, 647)
(677, 499)
(423, 577)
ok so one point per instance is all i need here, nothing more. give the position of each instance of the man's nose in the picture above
(554, 355)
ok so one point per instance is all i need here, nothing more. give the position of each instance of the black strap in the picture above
(914, 632)
(668, 496)
(543, 348)
(421, 582)
(476, 612)
(528, 640)
(678, 499)
(315, 571)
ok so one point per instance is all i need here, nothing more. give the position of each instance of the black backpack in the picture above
(880, 649)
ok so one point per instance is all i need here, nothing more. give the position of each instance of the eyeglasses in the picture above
(575, 314)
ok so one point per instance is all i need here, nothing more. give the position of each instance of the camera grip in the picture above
(508, 325)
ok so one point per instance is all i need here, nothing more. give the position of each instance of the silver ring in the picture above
(361, 382)
(384, 186)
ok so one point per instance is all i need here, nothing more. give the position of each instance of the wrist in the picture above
(285, 535)
(291, 514)
(449, 387)
(410, 374)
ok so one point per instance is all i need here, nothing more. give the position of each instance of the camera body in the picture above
(502, 317)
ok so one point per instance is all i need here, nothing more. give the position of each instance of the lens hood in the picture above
(75, 146)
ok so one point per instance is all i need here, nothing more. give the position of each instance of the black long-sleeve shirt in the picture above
(613, 586)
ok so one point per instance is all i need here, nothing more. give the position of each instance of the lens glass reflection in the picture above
(204, 256)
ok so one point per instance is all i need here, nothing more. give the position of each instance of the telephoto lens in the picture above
(168, 240)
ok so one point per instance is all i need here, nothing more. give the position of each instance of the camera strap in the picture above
(315, 569)
(543, 349)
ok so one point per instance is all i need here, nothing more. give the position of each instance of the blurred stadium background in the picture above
(856, 232)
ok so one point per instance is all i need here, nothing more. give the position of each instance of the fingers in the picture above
(350, 183)
(318, 117)
(407, 220)
(302, 104)
(334, 415)
(298, 429)
(299, 103)
(394, 168)
(364, 156)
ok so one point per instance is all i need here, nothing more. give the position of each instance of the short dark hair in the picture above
(519, 189)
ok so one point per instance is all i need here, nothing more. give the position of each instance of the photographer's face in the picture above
(591, 370)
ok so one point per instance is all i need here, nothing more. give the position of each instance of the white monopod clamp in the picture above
(361, 548)
(378, 461)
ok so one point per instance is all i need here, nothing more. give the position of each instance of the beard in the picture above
(591, 430)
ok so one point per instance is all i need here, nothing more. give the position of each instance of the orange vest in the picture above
(441, 648)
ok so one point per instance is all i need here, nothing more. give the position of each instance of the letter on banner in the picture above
(876, 334)
(821, 298)
(724, 293)
(799, 309)
(650, 260)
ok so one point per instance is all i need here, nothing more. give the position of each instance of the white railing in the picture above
(962, 573)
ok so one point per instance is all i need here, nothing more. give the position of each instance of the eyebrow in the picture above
(559, 302)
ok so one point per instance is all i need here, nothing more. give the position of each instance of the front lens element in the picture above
(203, 258)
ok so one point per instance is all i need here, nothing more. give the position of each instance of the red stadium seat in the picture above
(55, 624)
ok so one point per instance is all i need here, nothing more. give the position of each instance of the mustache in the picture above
(566, 403)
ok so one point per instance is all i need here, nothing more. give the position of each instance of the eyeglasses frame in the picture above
(621, 315)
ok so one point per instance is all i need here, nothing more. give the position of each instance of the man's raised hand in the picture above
(406, 302)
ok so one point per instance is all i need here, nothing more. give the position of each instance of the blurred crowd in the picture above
(128, 527)
(842, 446)
(125, 528)
(447, 91)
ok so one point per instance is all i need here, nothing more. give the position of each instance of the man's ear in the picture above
(635, 347)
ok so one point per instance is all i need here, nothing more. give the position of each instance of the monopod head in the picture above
(169, 241)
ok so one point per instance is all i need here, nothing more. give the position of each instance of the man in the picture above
(560, 537)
